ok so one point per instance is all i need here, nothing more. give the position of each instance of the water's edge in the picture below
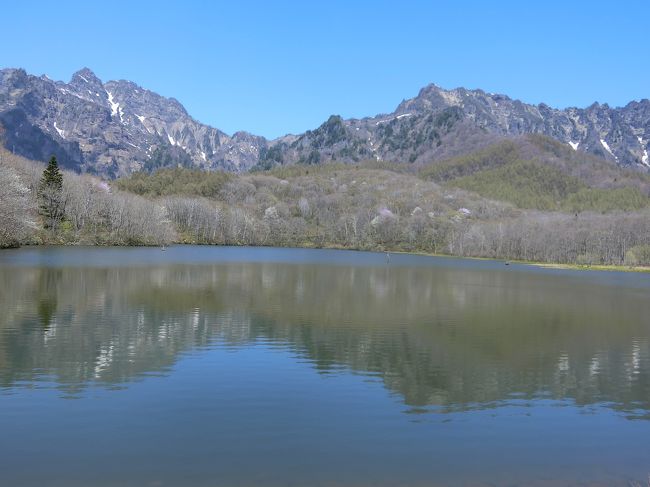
(544, 265)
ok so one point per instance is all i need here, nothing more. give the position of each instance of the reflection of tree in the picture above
(45, 295)
(46, 309)
(439, 337)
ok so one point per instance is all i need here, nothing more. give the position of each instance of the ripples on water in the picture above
(213, 366)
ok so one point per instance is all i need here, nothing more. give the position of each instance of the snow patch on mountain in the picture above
(393, 118)
(114, 105)
(59, 131)
(606, 146)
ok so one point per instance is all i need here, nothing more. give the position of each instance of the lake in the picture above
(220, 366)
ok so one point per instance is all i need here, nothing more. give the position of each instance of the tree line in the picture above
(57, 207)
(370, 207)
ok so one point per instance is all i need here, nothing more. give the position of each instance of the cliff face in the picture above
(441, 123)
(112, 128)
(117, 127)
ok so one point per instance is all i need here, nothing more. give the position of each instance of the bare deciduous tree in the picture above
(15, 207)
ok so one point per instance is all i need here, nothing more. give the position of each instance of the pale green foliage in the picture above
(176, 181)
(503, 172)
(638, 255)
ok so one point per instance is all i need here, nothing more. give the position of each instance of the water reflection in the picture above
(444, 339)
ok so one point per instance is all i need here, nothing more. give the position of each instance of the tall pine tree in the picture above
(50, 192)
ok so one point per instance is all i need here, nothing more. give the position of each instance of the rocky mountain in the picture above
(439, 124)
(111, 128)
(117, 127)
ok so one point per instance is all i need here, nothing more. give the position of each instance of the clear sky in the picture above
(283, 67)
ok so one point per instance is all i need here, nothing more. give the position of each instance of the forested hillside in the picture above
(537, 172)
(88, 210)
(510, 201)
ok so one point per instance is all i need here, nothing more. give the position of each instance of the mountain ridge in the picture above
(117, 127)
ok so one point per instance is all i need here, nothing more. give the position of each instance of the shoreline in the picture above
(547, 265)
(597, 267)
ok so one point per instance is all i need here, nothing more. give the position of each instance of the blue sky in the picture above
(283, 67)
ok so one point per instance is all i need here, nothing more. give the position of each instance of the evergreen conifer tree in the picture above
(50, 192)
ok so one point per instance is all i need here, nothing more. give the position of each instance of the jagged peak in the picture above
(243, 135)
(433, 89)
(429, 89)
(15, 74)
(129, 84)
(20, 71)
(125, 86)
(85, 75)
(644, 102)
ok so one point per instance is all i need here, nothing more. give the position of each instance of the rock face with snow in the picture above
(440, 123)
(117, 127)
(111, 128)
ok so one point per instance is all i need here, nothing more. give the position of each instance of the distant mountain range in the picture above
(116, 128)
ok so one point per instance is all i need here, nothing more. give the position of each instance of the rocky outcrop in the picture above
(112, 128)
(440, 123)
(115, 128)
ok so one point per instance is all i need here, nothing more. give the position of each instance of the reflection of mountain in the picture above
(439, 337)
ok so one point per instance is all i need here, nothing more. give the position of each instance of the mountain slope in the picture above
(112, 128)
(117, 127)
(537, 172)
(439, 124)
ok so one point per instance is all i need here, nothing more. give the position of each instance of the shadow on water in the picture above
(442, 338)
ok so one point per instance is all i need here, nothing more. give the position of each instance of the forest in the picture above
(516, 201)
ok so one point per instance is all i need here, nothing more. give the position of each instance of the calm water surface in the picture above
(208, 366)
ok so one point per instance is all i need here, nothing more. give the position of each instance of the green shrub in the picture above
(638, 255)
(176, 181)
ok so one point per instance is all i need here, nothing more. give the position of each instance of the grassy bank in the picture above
(617, 268)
